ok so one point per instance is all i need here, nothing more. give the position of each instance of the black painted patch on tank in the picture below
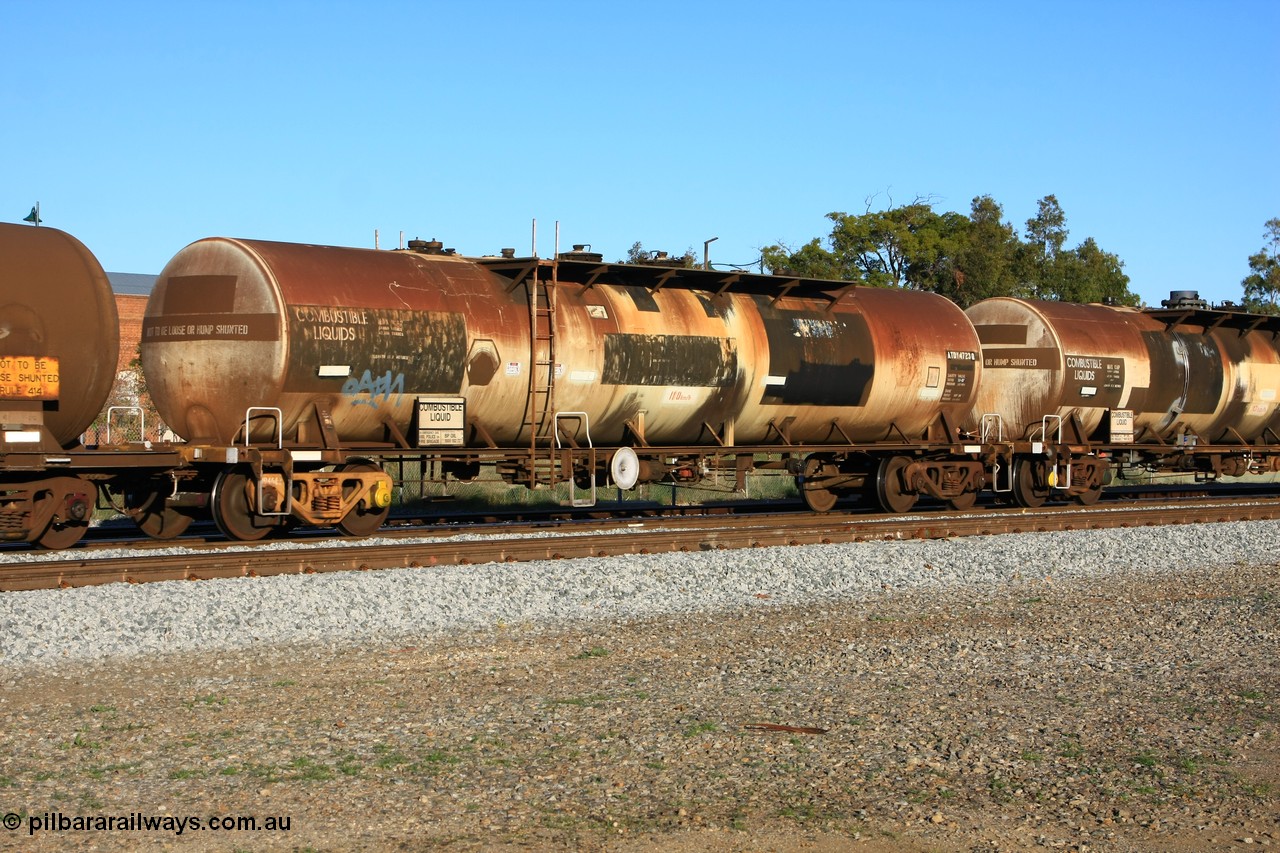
(386, 348)
(1008, 334)
(690, 361)
(817, 359)
(199, 294)
(1186, 372)
(642, 298)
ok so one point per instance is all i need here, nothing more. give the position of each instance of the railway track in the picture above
(598, 538)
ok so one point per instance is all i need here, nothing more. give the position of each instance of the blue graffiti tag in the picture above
(379, 389)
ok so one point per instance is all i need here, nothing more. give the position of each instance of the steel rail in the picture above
(524, 542)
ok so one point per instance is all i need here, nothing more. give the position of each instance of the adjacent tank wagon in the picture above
(1183, 388)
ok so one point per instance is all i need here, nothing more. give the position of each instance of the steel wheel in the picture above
(63, 495)
(891, 490)
(1090, 496)
(153, 517)
(361, 520)
(62, 534)
(230, 507)
(1025, 491)
(163, 524)
(963, 501)
(815, 496)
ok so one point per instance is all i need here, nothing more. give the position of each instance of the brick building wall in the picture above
(129, 389)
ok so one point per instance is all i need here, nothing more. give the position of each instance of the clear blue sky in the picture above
(140, 127)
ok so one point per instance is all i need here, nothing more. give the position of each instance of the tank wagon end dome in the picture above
(57, 302)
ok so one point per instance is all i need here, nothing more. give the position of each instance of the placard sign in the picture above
(442, 421)
(1122, 426)
(28, 377)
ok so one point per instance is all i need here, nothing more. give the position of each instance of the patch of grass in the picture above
(700, 728)
(1187, 764)
(392, 759)
(309, 769)
(284, 682)
(81, 742)
(1145, 758)
(593, 652)
(799, 812)
(581, 701)
(1029, 755)
(209, 700)
(99, 773)
(186, 774)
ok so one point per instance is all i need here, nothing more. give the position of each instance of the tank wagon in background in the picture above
(1080, 392)
(300, 376)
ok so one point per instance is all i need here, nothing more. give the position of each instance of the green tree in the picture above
(1262, 285)
(811, 260)
(984, 256)
(638, 254)
(891, 248)
(1038, 267)
(965, 258)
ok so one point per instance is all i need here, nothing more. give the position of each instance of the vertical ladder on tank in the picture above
(542, 375)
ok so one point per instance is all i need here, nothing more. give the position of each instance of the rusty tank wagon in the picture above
(556, 369)
(59, 340)
(1182, 388)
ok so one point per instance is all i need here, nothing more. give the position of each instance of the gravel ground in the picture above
(1101, 690)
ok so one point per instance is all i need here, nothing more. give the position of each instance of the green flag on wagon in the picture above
(32, 217)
